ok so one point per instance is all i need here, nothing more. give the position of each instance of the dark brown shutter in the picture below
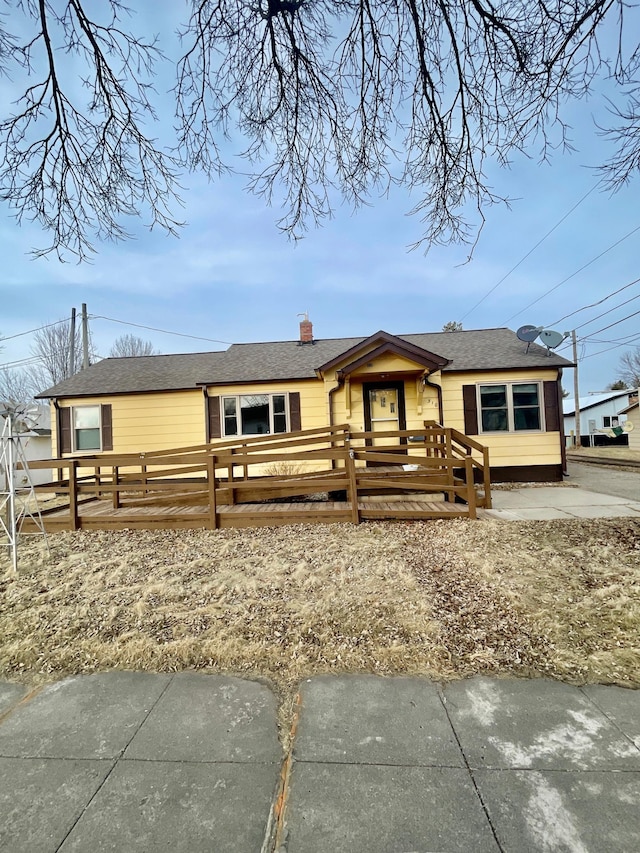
(551, 407)
(213, 417)
(64, 431)
(294, 411)
(470, 404)
(106, 422)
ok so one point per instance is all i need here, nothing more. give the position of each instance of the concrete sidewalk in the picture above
(549, 502)
(139, 762)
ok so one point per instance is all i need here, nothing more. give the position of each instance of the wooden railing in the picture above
(432, 461)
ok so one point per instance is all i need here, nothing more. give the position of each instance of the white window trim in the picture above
(510, 408)
(237, 397)
(91, 450)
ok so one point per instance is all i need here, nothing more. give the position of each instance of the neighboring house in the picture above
(632, 414)
(484, 383)
(36, 444)
(598, 412)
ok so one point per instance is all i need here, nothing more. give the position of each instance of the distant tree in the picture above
(16, 386)
(131, 345)
(52, 348)
(629, 368)
(323, 97)
(618, 385)
(452, 326)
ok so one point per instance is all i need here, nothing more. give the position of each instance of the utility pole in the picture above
(72, 343)
(576, 390)
(85, 337)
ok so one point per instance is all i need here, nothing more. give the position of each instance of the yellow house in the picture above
(485, 383)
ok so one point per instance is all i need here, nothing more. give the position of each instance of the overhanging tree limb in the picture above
(333, 97)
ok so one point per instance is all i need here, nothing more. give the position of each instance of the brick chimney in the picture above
(306, 329)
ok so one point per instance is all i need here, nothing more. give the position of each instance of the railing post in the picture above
(471, 488)
(451, 495)
(232, 496)
(486, 470)
(73, 494)
(143, 477)
(211, 481)
(116, 492)
(353, 482)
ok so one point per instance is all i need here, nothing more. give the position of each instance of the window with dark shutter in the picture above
(106, 424)
(295, 419)
(64, 431)
(213, 418)
(551, 407)
(470, 404)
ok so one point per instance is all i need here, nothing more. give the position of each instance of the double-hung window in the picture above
(609, 421)
(255, 414)
(510, 407)
(86, 428)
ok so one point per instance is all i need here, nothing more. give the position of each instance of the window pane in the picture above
(494, 420)
(527, 418)
(254, 413)
(87, 417)
(278, 404)
(279, 423)
(230, 417)
(525, 395)
(88, 439)
(86, 424)
(493, 396)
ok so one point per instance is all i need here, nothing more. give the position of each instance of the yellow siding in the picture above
(526, 448)
(144, 422)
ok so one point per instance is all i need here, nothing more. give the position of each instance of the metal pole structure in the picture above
(576, 391)
(85, 337)
(10, 499)
(72, 343)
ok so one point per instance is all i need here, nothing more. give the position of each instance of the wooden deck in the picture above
(223, 485)
(100, 514)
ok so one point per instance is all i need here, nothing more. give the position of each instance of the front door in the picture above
(384, 409)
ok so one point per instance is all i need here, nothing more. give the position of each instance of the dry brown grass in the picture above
(617, 453)
(442, 599)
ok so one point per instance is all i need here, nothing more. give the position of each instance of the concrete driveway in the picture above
(605, 480)
(588, 492)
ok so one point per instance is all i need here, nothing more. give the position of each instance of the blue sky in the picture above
(231, 276)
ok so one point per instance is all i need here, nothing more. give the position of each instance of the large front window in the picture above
(86, 428)
(254, 414)
(511, 407)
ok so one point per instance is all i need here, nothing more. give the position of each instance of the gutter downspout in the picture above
(439, 394)
(330, 394)
(207, 425)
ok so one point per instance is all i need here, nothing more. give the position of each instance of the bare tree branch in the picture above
(81, 168)
(131, 345)
(335, 99)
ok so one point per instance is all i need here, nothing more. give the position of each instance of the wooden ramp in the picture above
(100, 515)
(315, 476)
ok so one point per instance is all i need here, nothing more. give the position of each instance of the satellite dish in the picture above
(551, 339)
(627, 426)
(528, 334)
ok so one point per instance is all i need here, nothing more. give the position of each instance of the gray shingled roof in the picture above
(484, 349)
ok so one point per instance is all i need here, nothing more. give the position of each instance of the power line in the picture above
(564, 280)
(513, 269)
(31, 331)
(617, 346)
(611, 325)
(610, 311)
(153, 329)
(593, 304)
